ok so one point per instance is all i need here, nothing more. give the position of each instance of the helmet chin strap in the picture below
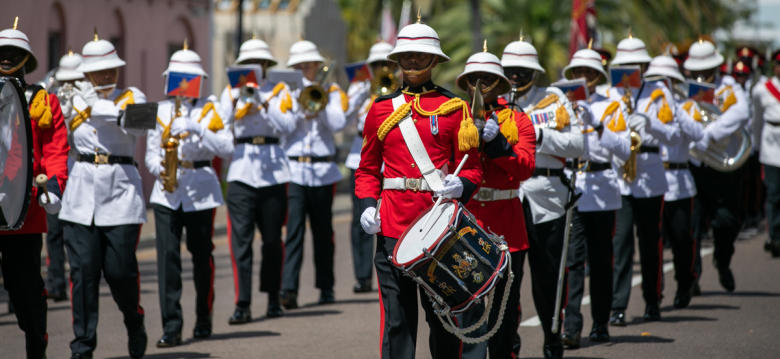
(594, 82)
(103, 90)
(417, 72)
(17, 67)
(526, 86)
(485, 90)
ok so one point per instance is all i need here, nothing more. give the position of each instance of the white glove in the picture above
(702, 144)
(453, 188)
(85, 90)
(52, 207)
(490, 131)
(638, 121)
(182, 124)
(588, 118)
(368, 223)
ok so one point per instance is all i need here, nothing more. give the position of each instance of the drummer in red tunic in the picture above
(508, 157)
(447, 133)
(21, 249)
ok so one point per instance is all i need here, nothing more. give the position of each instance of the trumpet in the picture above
(250, 94)
(384, 82)
(629, 168)
(170, 161)
(314, 98)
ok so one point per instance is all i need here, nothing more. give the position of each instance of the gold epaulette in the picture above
(344, 97)
(80, 117)
(664, 113)
(40, 110)
(506, 119)
(617, 123)
(730, 99)
(690, 105)
(216, 122)
(125, 95)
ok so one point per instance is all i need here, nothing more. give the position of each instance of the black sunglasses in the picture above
(518, 71)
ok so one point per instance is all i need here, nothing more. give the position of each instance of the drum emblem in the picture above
(485, 245)
(464, 265)
(446, 289)
(467, 230)
(478, 277)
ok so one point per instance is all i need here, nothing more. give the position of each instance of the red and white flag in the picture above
(406, 12)
(583, 24)
(388, 30)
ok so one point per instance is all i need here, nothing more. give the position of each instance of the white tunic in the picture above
(548, 195)
(767, 109)
(198, 188)
(109, 194)
(314, 138)
(733, 118)
(651, 177)
(359, 103)
(600, 189)
(259, 165)
(680, 181)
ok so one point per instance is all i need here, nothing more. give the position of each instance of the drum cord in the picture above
(460, 332)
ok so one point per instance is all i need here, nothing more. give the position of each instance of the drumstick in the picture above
(41, 180)
(378, 206)
(438, 201)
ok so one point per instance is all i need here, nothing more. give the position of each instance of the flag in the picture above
(241, 75)
(701, 91)
(406, 12)
(583, 24)
(388, 30)
(575, 90)
(183, 85)
(622, 76)
(357, 71)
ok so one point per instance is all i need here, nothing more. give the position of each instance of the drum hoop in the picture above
(482, 292)
(436, 244)
(28, 127)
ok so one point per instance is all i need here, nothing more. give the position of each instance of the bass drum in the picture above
(16, 155)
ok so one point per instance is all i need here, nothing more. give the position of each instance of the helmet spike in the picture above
(590, 44)
(185, 47)
(701, 40)
(521, 34)
(254, 35)
(16, 22)
(419, 15)
(70, 51)
(484, 46)
(96, 35)
(630, 35)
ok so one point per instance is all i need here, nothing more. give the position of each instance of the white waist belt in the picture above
(490, 195)
(404, 184)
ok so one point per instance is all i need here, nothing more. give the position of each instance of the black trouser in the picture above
(110, 249)
(645, 213)
(55, 258)
(753, 191)
(362, 242)
(168, 227)
(719, 194)
(398, 301)
(317, 203)
(21, 266)
(700, 228)
(591, 242)
(677, 228)
(545, 242)
(772, 180)
(266, 208)
(500, 345)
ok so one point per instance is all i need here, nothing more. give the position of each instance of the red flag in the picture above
(388, 29)
(583, 24)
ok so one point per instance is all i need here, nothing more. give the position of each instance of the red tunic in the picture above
(399, 208)
(504, 166)
(50, 152)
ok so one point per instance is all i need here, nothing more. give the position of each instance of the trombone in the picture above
(314, 98)
(630, 167)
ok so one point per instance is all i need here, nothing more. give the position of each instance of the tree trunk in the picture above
(476, 26)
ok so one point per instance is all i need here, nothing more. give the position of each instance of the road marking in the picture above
(635, 281)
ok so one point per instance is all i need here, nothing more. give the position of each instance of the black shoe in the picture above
(289, 300)
(696, 290)
(775, 249)
(682, 300)
(201, 331)
(571, 340)
(58, 296)
(652, 313)
(553, 350)
(768, 245)
(327, 296)
(136, 343)
(11, 309)
(618, 318)
(725, 276)
(169, 340)
(362, 286)
(80, 356)
(274, 308)
(241, 316)
(599, 333)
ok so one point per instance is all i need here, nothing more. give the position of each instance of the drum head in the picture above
(413, 241)
(16, 155)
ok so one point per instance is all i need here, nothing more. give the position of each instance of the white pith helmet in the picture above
(521, 54)
(99, 55)
(488, 63)
(304, 51)
(68, 65)
(16, 38)
(418, 37)
(664, 66)
(702, 55)
(255, 49)
(379, 52)
(631, 51)
(586, 58)
(185, 61)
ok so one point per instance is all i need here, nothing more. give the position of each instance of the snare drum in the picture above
(453, 258)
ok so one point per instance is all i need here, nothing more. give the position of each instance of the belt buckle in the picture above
(258, 140)
(413, 184)
(101, 159)
(485, 195)
(306, 159)
(187, 164)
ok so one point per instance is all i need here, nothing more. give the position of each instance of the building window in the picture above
(264, 4)
(55, 49)
(283, 5)
(224, 5)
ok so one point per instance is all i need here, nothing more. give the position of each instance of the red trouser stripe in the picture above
(138, 271)
(232, 256)
(211, 264)
(381, 316)
(660, 254)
